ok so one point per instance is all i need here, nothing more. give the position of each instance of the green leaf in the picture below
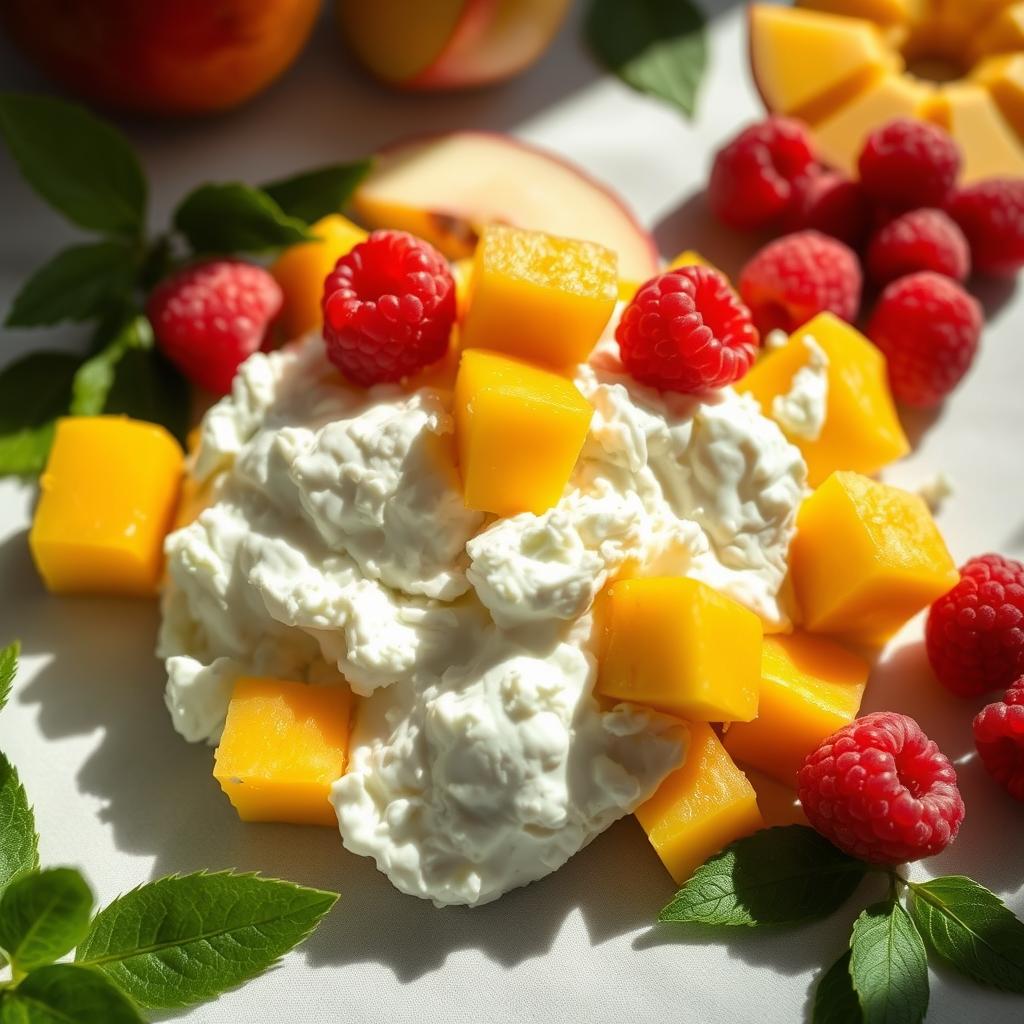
(835, 1001)
(889, 966)
(44, 915)
(66, 994)
(655, 46)
(79, 164)
(19, 844)
(76, 284)
(236, 218)
(971, 928)
(8, 670)
(315, 194)
(776, 876)
(34, 391)
(182, 940)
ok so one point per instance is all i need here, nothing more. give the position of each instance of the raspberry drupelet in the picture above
(999, 737)
(925, 239)
(908, 163)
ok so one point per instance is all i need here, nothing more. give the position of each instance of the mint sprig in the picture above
(8, 668)
(784, 876)
(171, 943)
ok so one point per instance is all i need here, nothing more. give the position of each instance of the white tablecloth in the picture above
(120, 795)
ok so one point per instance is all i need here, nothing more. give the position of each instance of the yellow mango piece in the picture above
(462, 272)
(284, 744)
(688, 258)
(882, 12)
(810, 687)
(866, 558)
(841, 135)
(777, 803)
(680, 646)
(1003, 34)
(107, 500)
(301, 269)
(808, 64)
(862, 430)
(538, 297)
(519, 430)
(1003, 77)
(969, 14)
(700, 808)
(991, 148)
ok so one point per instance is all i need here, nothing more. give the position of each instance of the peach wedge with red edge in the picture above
(449, 44)
(446, 188)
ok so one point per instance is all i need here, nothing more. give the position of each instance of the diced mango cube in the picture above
(284, 744)
(462, 273)
(107, 500)
(680, 646)
(519, 431)
(862, 430)
(866, 557)
(1003, 34)
(700, 808)
(1004, 79)
(882, 12)
(688, 258)
(810, 687)
(301, 269)
(777, 803)
(538, 297)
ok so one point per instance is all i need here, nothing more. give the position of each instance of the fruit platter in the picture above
(525, 522)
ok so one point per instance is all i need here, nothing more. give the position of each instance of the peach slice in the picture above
(447, 187)
(449, 44)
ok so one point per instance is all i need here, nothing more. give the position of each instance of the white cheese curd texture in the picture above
(801, 411)
(334, 545)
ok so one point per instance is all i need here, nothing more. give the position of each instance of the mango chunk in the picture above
(862, 429)
(808, 64)
(882, 12)
(866, 557)
(810, 687)
(284, 744)
(538, 297)
(680, 646)
(108, 497)
(700, 808)
(1003, 34)
(519, 431)
(301, 269)
(1003, 77)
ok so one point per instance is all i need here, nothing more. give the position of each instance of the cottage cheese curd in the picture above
(334, 545)
(801, 410)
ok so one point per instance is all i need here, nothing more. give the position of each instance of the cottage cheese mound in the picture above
(801, 411)
(333, 545)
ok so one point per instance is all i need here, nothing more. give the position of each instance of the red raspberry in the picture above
(389, 307)
(908, 163)
(210, 317)
(999, 737)
(880, 790)
(798, 276)
(687, 331)
(923, 239)
(752, 178)
(831, 203)
(975, 633)
(991, 215)
(929, 329)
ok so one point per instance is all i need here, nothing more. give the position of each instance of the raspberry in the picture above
(687, 331)
(880, 790)
(752, 178)
(908, 163)
(991, 215)
(831, 203)
(999, 737)
(389, 307)
(210, 317)
(929, 329)
(975, 633)
(796, 277)
(923, 239)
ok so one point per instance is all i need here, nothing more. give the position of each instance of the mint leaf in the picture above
(835, 1001)
(236, 218)
(44, 915)
(315, 194)
(79, 164)
(8, 670)
(889, 966)
(76, 284)
(185, 939)
(95, 377)
(971, 928)
(776, 876)
(34, 391)
(19, 844)
(65, 994)
(654, 46)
